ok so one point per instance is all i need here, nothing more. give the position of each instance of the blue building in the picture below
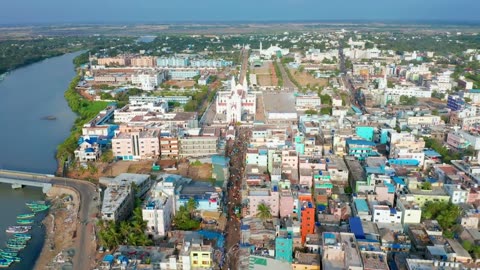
(173, 62)
(361, 149)
(186, 74)
(455, 103)
(203, 193)
(284, 248)
(366, 133)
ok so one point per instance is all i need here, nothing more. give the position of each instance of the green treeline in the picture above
(278, 73)
(85, 110)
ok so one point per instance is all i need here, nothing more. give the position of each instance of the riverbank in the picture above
(60, 228)
(85, 111)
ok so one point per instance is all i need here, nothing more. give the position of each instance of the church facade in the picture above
(236, 102)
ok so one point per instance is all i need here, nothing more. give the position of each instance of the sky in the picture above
(161, 11)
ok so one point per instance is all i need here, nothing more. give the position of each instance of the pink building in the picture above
(289, 159)
(308, 167)
(136, 145)
(286, 203)
(144, 61)
(257, 196)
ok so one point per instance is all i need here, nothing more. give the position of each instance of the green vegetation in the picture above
(197, 104)
(290, 76)
(18, 53)
(311, 111)
(426, 186)
(326, 110)
(445, 213)
(130, 232)
(406, 100)
(196, 163)
(326, 99)
(471, 248)
(348, 190)
(184, 218)
(447, 157)
(467, 99)
(278, 73)
(85, 110)
(264, 212)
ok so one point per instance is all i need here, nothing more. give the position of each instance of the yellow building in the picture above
(201, 256)
(306, 261)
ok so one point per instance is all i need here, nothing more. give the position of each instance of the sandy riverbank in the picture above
(60, 225)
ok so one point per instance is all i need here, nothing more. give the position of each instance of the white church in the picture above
(236, 102)
(272, 51)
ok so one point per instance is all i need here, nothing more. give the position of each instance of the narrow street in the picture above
(235, 150)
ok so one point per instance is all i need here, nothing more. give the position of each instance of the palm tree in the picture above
(124, 229)
(264, 212)
(191, 206)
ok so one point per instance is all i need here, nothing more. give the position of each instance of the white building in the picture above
(129, 111)
(386, 214)
(394, 94)
(411, 211)
(158, 212)
(426, 120)
(272, 51)
(236, 102)
(305, 102)
(87, 151)
(457, 194)
(148, 81)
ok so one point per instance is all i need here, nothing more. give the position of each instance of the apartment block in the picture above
(136, 145)
(198, 146)
(169, 147)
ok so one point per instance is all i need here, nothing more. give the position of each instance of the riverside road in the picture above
(87, 191)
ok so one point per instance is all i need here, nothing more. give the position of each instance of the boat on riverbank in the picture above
(12, 258)
(16, 246)
(25, 216)
(5, 253)
(5, 263)
(25, 221)
(35, 203)
(22, 236)
(18, 229)
(40, 208)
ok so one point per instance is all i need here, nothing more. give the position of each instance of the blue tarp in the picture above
(108, 258)
(356, 227)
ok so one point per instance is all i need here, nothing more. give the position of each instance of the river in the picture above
(27, 96)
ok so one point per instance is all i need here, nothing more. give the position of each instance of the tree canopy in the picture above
(445, 213)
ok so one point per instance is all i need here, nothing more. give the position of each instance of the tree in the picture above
(184, 221)
(467, 99)
(264, 212)
(445, 213)
(426, 186)
(311, 111)
(406, 100)
(192, 205)
(107, 156)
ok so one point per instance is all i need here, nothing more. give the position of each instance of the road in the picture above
(244, 69)
(287, 84)
(87, 192)
(356, 96)
(236, 151)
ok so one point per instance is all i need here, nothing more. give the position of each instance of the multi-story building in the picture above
(386, 214)
(198, 146)
(268, 196)
(148, 81)
(183, 74)
(426, 120)
(455, 103)
(143, 61)
(284, 248)
(360, 149)
(129, 111)
(411, 211)
(458, 195)
(307, 225)
(394, 94)
(255, 156)
(339, 251)
(138, 100)
(405, 146)
(114, 61)
(157, 211)
(118, 200)
(136, 145)
(169, 147)
(305, 102)
(173, 62)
